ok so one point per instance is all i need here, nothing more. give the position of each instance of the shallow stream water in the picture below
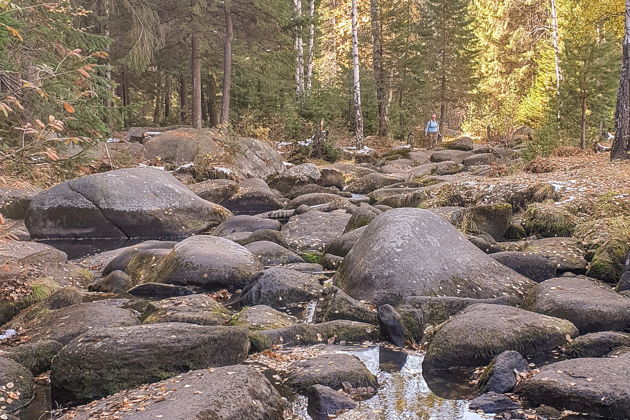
(404, 393)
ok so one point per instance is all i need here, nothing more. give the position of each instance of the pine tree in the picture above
(451, 51)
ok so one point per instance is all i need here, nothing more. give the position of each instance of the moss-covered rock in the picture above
(549, 220)
(493, 219)
(608, 262)
(308, 334)
(480, 332)
(105, 361)
(35, 356)
(194, 309)
(262, 317)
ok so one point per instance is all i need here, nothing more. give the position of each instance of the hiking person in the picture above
(432, 131)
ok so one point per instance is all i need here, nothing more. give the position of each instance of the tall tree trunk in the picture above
(227, 63)
(197, 120)
(311, 46)
(356, 77)
(299, 49)
(621, 145)
(212, 101)
(556, 48)
(379, 72)
(183, 94)
(443, 70)
(583, 121)
(167, 96)
(157, 113)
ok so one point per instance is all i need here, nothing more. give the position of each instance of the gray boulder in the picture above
(20, 378)
(324, 401)
(335, 304)
(270, 253)
(464, 143)
(331, 370)
(193, 309)
(215, 190)
(456, 156)
(411, 252)
(35, 356)
(231, 392)
(114, 282)
(500, 375)
(372, 182)
(532, 266)
(250, 158)
(315, 230)
(14, 202)
(590, 305)
(296, 176)
(596, 344)
(494, 403)
(624, 282)
(587, 385)
(392, 326)
(480, 332)
(207, 261)
(126, 203)
(122, 260)
(245, 223)
(262, 317)
(159, 291)
(65, 324)
(480, 159)
(567, 253)
(339, 331)
(103, 362)
(343, 244)
(318, 199)
(280, 287)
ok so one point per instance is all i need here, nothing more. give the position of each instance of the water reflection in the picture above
(404, 393)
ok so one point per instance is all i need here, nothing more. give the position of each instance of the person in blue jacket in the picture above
(432, 131)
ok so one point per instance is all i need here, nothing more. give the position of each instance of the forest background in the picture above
(277, 69)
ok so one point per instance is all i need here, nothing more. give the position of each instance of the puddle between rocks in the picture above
(404, 393)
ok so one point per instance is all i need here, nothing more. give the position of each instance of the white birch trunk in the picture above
(299, 49)
(311, 46)
(357, 77)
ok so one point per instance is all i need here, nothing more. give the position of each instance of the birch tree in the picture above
(311, 46)
(358, 115)
(227, 63)
(299, 48)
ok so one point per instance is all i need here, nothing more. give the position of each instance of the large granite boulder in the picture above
(207, 261)
(126, 203)
(64, 324)
(411, 252)
(231, 392)
(480, 332)
(105, 361)
(16, 383)
(249, 157)
(591, 305)
(587, 385)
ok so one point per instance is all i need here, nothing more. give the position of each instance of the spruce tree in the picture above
(450, 52)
